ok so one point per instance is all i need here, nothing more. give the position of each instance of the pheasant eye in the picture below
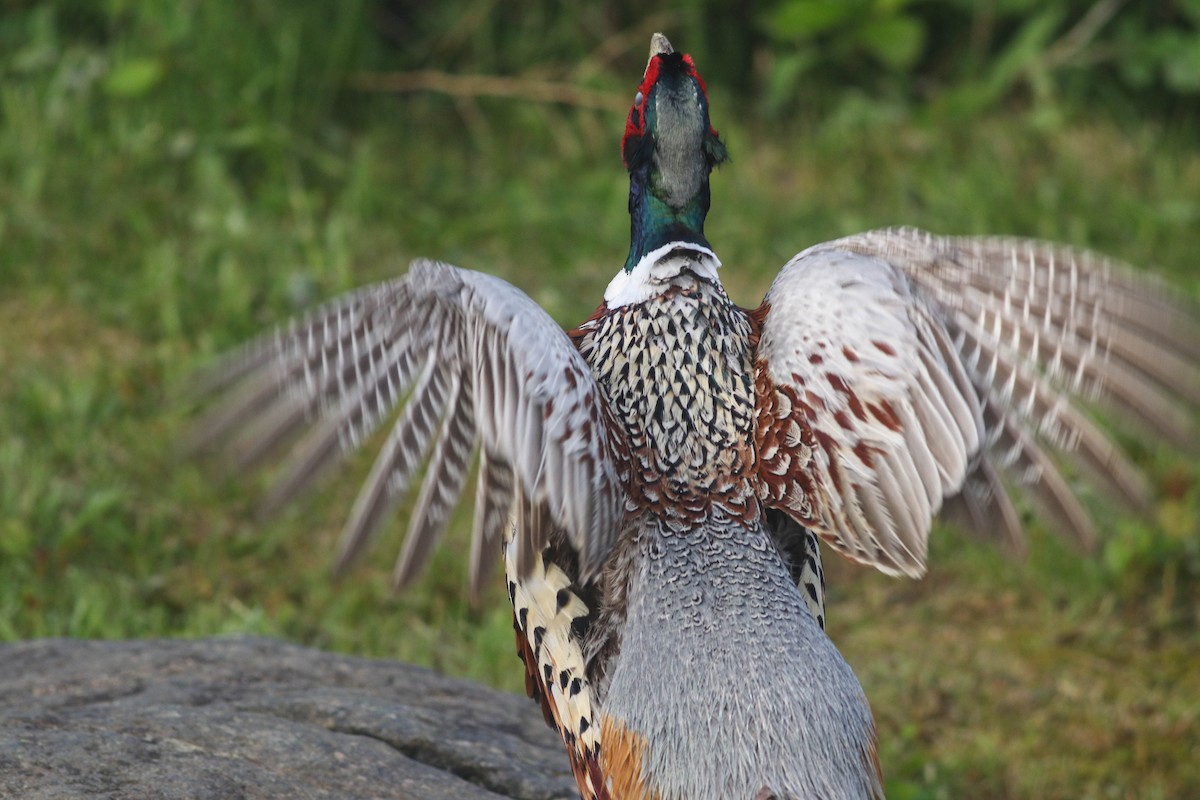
(637, 99)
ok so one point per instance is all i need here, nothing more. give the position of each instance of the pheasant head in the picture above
(669, 148)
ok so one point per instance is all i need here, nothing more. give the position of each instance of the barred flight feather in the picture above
(401, 455)
(1062, 424)
(444, 478)
(472, 361)
(1084, 366)
(1110, 324)
(1040, 478)
(494, 491)
(989, 355)
(989, 510)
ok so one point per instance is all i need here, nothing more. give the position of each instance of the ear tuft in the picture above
(715, 150)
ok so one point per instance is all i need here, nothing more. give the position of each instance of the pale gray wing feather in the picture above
(857, 359)
(980, 352)
(494, 493)
(472, 362)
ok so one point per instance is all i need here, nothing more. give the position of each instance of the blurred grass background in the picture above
(175, 177)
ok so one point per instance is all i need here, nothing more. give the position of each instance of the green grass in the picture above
(161, 202)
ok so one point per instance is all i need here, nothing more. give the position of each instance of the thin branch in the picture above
(1073, 42)
(532, 90)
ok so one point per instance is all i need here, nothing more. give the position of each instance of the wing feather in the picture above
(444, 478)
(472, 363)
(398, 461)
(1064, 424)
(897, 369)
(844, 332)
(986, 491)
(917, 438)
(1041, 479)
(494, 492)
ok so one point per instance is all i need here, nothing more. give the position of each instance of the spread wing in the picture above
(472, 363)
(897, 370)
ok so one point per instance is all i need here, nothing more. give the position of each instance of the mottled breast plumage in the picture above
(676, 371)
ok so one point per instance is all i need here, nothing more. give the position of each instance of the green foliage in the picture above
(1154, 557)
(980, 55)
(175, 177)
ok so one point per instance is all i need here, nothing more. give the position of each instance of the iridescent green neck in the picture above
(669, 149)
(654, 222)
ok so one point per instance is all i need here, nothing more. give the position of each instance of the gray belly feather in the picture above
(723, 667)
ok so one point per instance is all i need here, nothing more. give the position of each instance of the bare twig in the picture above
(532, 90)
(1072, 44)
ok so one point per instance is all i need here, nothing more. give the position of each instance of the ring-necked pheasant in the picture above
(657, 477)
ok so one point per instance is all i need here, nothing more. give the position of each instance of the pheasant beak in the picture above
(659, 46)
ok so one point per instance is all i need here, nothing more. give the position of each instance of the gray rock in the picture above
(257, 718)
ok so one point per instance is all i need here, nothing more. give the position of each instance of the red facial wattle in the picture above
(635, 123)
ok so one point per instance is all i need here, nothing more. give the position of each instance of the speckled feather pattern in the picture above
(676, 372)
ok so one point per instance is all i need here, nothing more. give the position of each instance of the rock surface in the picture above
(257, 718)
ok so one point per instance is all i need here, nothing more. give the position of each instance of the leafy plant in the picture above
(982, 54)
